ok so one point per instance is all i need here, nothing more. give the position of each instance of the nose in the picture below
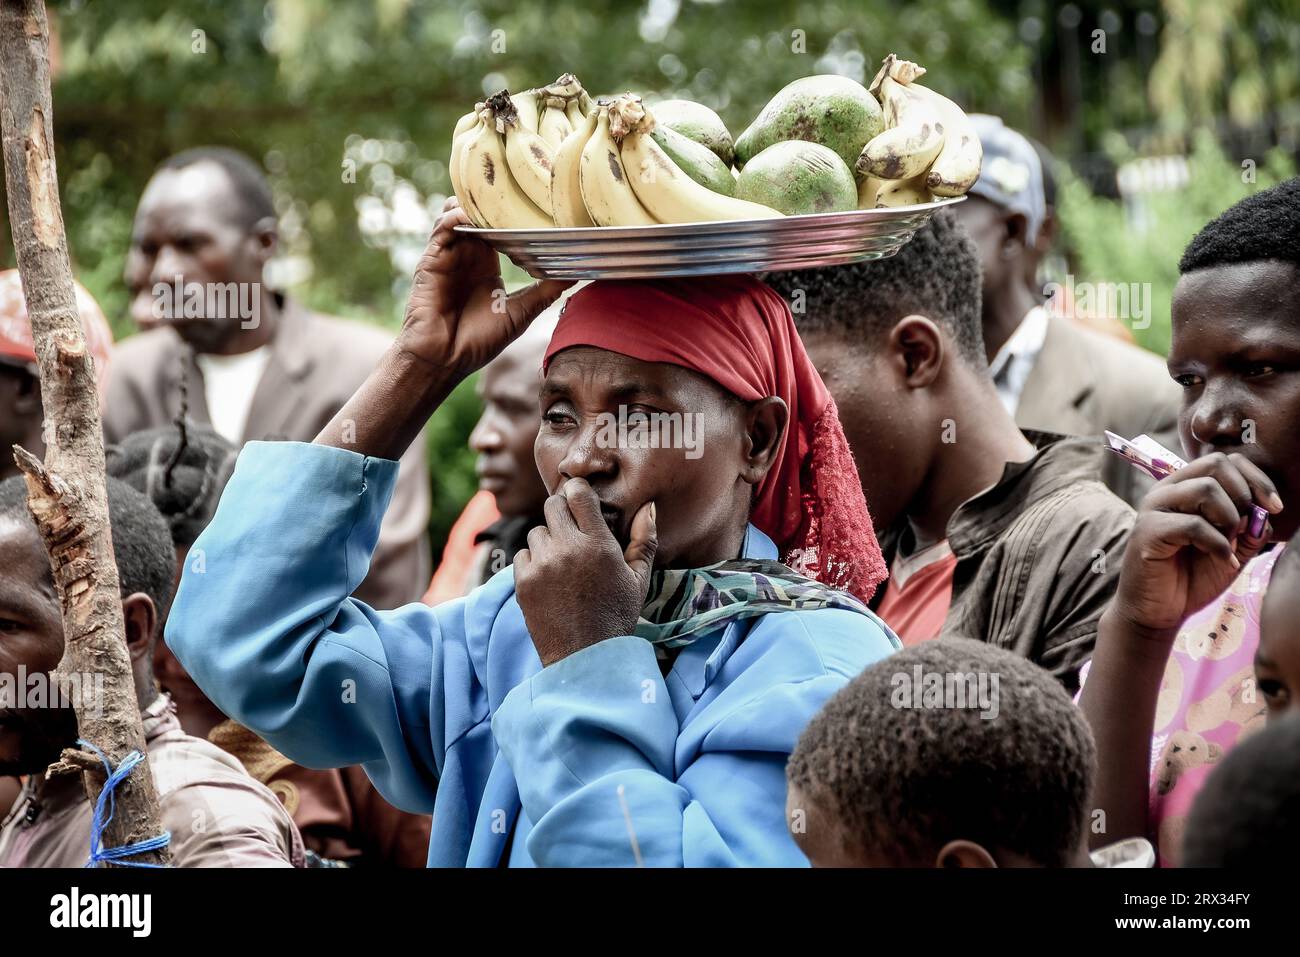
(166, 266)
(1215, 421)
(588, 457)
(487, 435)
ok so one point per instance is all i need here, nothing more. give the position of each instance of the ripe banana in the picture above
(455, 165)
(663, 188)
(554, 125)
(491, 190)
(913, 135)
(868, 190)
(529, 157)
(904, 192)
(556, 120)
(526, 106)
(603, 179)
(466, 122)
(957, 167)
(567, 207)
(574, 112)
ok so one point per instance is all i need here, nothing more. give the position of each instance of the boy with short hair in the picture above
(951, 753)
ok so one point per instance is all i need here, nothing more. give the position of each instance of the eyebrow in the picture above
(16, 605)
(622, 391)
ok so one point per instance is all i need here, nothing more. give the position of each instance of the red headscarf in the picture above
(739, 332)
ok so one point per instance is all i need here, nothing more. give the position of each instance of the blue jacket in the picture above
(450, 712)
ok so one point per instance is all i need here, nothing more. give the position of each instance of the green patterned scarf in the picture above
(684, 603)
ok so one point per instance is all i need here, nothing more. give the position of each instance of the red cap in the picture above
(16, 329)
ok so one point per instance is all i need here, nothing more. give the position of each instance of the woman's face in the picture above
(649, 431)
(1236, 353)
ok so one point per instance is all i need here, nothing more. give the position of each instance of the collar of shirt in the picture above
(697, 663)
(1011, 366)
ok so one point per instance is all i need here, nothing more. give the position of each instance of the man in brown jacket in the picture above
(255, 364)
(1053, 373)
(217, 815)
(990, 532)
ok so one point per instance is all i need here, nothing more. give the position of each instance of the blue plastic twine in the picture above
(117, 855)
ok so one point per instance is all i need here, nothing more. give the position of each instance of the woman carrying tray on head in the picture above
(630, 689)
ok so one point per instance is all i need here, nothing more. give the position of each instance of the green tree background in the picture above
(349, 105)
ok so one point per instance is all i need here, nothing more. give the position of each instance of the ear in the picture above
(265, 236)
(1015, 235)
(765, 423)
(141, 619)
(963, 853)
(916, 348)
(1046, 233)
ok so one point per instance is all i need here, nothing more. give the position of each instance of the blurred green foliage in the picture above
(1141, 240)
(349, 104)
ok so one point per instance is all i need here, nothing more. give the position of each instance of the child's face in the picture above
(1236, 353)
(1277, 662)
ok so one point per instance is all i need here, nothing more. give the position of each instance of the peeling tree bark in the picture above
(66, 493)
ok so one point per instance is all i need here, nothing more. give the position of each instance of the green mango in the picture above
(697, 122)
(835, 111)
(796, 177)
(698, 162)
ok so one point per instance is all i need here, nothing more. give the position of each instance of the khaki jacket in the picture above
(1085, 382)
(218, 816)
(317, 362)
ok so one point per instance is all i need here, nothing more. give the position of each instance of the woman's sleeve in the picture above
(597, 731)
(264, 623)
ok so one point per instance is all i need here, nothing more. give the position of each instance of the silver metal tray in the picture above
(699, 249)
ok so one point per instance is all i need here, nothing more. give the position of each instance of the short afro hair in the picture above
(904, 777)
(253, 196)
(182, 472)
(142, 549)
(1265, 225)
(936, 275)
(1248, 810)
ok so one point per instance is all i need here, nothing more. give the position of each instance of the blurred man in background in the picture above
(220, 346)
(496, 522)
(1052, 374)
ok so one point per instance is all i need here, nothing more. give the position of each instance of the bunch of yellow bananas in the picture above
(928, 148)
(503, 153)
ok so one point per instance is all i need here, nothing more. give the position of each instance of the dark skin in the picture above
(505, 433)
(894, 396)
(1006, 259)
(825, 842)
(1277, 661)
(187, 225)
(31, 635)
(21, 415)
(614, 513)
(1236, 353)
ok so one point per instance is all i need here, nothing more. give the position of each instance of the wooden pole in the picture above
(66, 493)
